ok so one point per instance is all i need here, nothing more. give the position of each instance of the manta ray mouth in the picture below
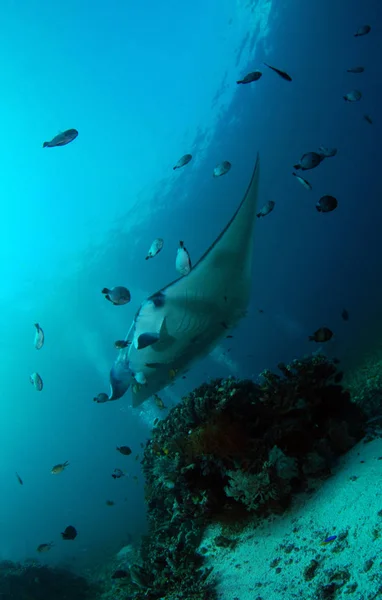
(183, 321)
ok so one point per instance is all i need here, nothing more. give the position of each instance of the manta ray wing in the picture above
(185, 320)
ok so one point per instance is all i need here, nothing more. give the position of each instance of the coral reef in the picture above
(230, 448)
(34, 581)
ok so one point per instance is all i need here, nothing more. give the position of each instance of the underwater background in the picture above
(145, 83)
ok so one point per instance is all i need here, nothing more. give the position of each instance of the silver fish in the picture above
(304, 182)
(356, 70)
(183, 261)
(39, 337)
(155, 247)
(353, 96)
(222, 168)
(118, 295)
(310, 160)
(266, 209)
(62, 139)
(368, 119)
(181, 323)
(36, 381)
(184, 160)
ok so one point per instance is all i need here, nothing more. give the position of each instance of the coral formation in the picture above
(34, 581)
(233, 447)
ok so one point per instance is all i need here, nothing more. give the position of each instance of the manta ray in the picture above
(182, 322)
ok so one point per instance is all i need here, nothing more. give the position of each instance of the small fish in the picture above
(36, 381)
(101, 398)
(39, 337)
(324, 334)
(137, 457)
(304, 182)
(229, 336)
(329, 539)
(345, 315)
(266, 209)
(142, 445)
(110, 503)
(154, 365)
(118, 295)
(172, 373)
(159, 402)
(327, 152)
(62, 139)
(156, 421)
(119, 344)
(184, 160)
(368, 119)
(70, 533)
(19, 479)
(326, 204)
(120, 574)
(224, 325)
(260, 310)
(117, 474)
(279, 72)
(140, 378)
(254, 76)
(45, 547)
(155, 247)
(364, 30)
(355, 70)
(310, 160)
(182, 261)
(353, 96)
(222, 168)
(125, 450)
(59, 468)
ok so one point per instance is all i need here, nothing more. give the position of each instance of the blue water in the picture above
(144, 83)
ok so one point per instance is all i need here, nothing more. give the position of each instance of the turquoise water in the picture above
(144, 83)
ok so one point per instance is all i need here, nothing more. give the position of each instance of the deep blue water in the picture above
(145, 83)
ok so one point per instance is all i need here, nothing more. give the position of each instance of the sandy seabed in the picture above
(284, 558)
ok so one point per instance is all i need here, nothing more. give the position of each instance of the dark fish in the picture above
(260, 310)
(119, 344)
(363, 30)
(368, 119)
(117, 474)
(224, 324)
(101, 398)
(326, 204)
(62, 139)
(266, 209)
(355, 70)
(324, 334)
(229, 336)
(338, 377)
(154, 365)
(254, 76)
(125, 450)
(279, 72)
(110, 503)
(118, 295)
(45, 547)
(120, 574)
(345, 315)
(310, 160)
(19, 479)
(184, 160)
(70, 533)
